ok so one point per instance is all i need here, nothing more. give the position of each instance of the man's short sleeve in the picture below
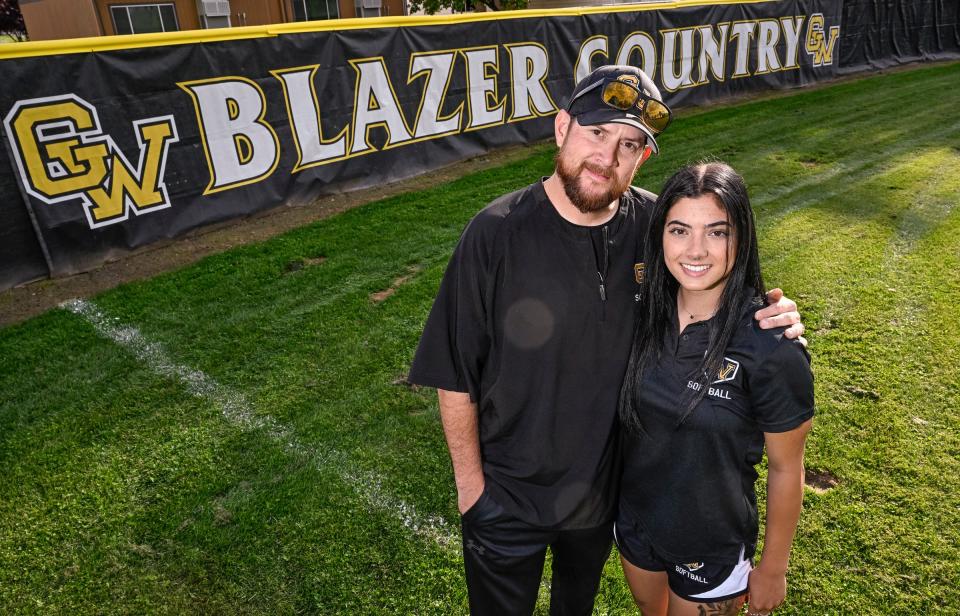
(456, 337)
(781, 390)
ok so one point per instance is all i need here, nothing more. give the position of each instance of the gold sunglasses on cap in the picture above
(626, 97)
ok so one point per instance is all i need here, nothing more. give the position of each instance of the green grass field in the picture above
(237, 438)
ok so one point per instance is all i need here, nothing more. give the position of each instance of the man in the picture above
(527, 344)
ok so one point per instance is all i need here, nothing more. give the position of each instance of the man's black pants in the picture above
(504, 560)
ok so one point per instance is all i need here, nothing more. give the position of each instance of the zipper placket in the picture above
(602, 275)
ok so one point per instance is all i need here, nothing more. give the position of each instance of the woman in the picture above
(699, 404)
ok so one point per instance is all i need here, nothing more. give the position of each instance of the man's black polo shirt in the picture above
(692, 488)
(520, 324)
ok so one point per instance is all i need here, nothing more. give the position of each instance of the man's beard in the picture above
(584, 201)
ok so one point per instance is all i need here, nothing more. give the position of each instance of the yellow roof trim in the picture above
(185, 37)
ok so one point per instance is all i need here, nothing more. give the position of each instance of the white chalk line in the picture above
(239, 412)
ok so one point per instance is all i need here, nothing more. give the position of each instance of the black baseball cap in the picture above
(591, 108)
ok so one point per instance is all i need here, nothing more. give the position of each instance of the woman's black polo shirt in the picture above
(692, 488)
(520, 324)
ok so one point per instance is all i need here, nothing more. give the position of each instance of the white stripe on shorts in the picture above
(735, 583)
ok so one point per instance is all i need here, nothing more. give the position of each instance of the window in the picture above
(307, 10)
(141, 18)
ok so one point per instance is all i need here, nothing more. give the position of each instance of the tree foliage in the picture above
(430, 7)
(11, 20)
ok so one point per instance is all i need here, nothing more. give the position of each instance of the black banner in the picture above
(113, 149)
(881, 33)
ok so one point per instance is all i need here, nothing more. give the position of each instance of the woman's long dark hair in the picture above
(658, 291)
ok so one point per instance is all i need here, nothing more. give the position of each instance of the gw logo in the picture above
(62, 155)
(819, 46)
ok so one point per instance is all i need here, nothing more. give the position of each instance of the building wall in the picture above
(388, 8)
(392, 8)
(60, 19)
(47, 19)
(563, 4)
(259, 12)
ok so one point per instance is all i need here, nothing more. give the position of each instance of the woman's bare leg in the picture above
(649, 588)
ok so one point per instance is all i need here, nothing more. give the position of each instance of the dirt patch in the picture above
(860, 392)
(819, 481)
(221, 515)
(298, 264)
(21, 303)
(379, 296)
(402, 381)
(142, 549)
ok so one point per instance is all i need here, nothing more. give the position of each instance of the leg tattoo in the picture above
(730, 607)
